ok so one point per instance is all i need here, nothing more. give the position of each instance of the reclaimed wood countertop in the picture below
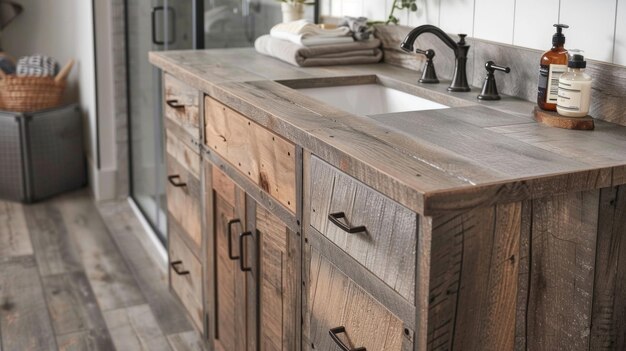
(473, 154)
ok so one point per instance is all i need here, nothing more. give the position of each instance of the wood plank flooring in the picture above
(71, 280)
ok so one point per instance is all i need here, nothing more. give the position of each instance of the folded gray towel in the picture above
(358, 26)
(360, 52)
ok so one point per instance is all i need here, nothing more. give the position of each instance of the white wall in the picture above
(62, 29)
(598, 27)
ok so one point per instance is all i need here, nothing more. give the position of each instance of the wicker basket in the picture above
(29, 94)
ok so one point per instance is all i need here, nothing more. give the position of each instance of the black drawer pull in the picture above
(339, 330)
(175, 104)
(335, 218)
(242, 256)
(175, 266)
(175, 181)
(230, 239)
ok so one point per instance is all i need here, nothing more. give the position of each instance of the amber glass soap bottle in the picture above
(553, 64)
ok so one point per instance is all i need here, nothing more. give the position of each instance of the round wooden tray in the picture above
(553, 119)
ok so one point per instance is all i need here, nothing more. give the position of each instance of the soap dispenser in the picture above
(574, 87)
(553, 63)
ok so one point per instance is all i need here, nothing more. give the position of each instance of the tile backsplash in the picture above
(598, 27)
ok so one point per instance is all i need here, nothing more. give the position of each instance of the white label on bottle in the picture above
(553, 82)
(570, 96)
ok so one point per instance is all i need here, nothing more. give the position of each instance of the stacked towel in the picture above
(359, 52)
(37, 66)
(305, 33)
(358, 26)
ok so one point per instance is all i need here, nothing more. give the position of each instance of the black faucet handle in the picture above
(430, 53)
(490, 90)
(491, 67)
(461, 39)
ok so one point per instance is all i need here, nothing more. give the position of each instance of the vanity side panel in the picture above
(608, 319)
(562, 262)
(474, 279)
(521, 276)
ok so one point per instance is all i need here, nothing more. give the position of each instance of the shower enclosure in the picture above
(158, 25)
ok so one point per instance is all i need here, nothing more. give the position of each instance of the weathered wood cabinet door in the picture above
(229, 218)
(278, 283)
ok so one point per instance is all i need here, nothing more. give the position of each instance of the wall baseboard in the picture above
(102, 181)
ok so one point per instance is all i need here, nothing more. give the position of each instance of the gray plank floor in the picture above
(75, 275)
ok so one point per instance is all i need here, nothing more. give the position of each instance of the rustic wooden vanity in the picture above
(294, 225)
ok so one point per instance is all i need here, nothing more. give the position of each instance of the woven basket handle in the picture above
(64, 72)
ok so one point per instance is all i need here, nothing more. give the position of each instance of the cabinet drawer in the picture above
(186, 277)
(267, 159)
(181, 105)
(341, 307)
(374, 230)
(183, 190)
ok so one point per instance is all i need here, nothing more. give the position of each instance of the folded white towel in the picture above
(303, 32)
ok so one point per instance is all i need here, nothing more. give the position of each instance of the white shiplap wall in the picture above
(598, 27)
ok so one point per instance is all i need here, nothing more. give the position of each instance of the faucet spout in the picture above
(460, 49)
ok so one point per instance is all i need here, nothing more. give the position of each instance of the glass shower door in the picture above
(152, 25)
(238, 23)
(157, 25)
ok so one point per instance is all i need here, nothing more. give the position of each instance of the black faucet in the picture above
(459, 80)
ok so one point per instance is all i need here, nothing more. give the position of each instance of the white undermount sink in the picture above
(370, 99)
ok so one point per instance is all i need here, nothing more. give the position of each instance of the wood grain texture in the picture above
(383, 293)
(230, 289)
(208, 258)
(337, 301)
(109, 276)
(187, 157)
(146, 265)
(523, 280)
(563, 251)
(337, 136)
(266, 158)
(134, 328)
(388, 246)
(14, 239)
(83, 341)
(24, 319)
(252, 189)
(55, 250)
(608, 318)
(74, 311)
(553, 119)
(183, 203)
(187, 287)
(187, 116)
(186, 341)
(279, 283)
(473, 279)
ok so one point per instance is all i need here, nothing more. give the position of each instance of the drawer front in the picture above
(181, 105)
(183, 190)
(267, 159)
(186, 277)
(386, 241)
(341, 307)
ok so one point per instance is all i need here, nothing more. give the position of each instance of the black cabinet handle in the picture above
(333, 335)
(175, 104)
(175, 181)
(241, 252)
(175, 266)
(172, 26)
(154, 32)
(230, 239)
(335, 218)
